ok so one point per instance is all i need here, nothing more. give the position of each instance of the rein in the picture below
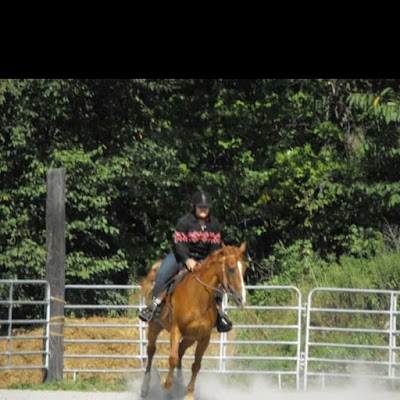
(224, 284)
(207, 285)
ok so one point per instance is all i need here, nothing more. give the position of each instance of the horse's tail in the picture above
(147, 283)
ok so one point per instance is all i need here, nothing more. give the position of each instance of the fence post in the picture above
(55, 269)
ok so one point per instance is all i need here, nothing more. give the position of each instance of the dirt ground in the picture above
(205, 392)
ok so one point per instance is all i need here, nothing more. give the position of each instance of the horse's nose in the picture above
(238, 299)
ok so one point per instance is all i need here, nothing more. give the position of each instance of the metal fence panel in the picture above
(244, 350)
(351, 333)
(340, 342)
(34, 312)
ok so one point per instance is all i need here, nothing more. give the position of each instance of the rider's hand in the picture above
(190, 264)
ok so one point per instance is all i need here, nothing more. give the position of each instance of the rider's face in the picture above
(202, 212)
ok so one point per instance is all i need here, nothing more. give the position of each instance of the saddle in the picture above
(175, 281)
(165, 294)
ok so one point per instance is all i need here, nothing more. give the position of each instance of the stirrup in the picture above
(223, 323)
(147, 314)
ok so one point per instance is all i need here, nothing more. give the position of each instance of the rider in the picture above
(197, 234)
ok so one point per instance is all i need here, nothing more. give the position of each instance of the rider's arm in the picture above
(181, 241)
(216, 237)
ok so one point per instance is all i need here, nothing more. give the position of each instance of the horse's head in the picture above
(233, 270)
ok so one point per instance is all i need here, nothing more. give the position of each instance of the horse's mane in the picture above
(147, 283)
(211, 258)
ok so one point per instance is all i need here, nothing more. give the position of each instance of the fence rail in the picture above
(10, 332)
(362, 320)
(229, 353)
(338, 334)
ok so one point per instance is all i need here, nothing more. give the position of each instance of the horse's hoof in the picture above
(167, 383)
(189, 396)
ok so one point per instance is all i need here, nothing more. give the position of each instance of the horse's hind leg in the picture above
(200, 349)
(153, 332)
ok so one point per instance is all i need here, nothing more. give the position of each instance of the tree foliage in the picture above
(288, 161)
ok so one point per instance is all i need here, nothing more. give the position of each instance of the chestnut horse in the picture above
(190, 312)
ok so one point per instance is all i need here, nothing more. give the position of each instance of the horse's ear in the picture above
(223, 245)
(242, 247)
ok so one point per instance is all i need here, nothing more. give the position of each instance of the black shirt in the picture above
(193, 241)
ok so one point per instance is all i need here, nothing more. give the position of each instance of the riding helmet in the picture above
(202, 199)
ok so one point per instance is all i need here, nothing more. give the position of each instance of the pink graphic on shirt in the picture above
(194, 237)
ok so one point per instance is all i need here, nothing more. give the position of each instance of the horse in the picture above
(190, 312)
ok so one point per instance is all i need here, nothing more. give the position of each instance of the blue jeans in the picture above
(169, 267)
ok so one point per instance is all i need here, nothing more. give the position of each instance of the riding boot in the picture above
(147, 313)
(223, 323)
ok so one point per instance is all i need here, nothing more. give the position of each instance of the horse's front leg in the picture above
(183, 346)
(173, 356)
(200, 349)
(153, 332)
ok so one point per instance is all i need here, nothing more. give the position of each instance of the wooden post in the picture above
(55, 269)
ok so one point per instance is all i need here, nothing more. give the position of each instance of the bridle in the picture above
(224, 283)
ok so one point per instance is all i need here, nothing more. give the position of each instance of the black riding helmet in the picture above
(202, 199)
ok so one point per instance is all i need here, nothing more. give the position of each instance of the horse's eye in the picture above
(231, 271)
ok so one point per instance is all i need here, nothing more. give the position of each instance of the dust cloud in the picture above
(211, 388)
